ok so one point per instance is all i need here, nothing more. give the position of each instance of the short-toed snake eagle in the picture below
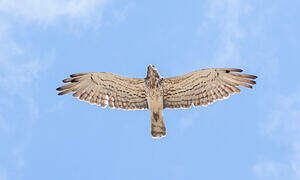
(198, 88)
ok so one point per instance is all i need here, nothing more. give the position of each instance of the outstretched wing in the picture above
(203, 87)
(102, 88)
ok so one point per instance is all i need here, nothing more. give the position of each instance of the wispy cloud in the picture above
(283, 126)
(222, 17)
(47, 11)
(233, 36)
(225, 16)
(121, 14)
(22, 67)
(272, 170)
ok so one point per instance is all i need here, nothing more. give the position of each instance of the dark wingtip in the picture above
(78, 74)
(251, 82)
(64, 92)
(228, 70)
(238, 70)
(75, 80)
(252, 77)
(66, 80)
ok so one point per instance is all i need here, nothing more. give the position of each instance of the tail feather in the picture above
(158, 128)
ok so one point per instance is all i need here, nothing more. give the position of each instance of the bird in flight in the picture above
(198, 88)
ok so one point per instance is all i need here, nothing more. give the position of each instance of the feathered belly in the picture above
(155, 100)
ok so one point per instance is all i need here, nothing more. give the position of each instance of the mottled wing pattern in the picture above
(107, 89)
(203, 87)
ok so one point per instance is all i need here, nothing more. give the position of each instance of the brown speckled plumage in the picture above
(198, 88)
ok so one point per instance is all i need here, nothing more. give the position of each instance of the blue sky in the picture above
(251, 135)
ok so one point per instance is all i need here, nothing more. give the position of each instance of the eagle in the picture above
(198, 88)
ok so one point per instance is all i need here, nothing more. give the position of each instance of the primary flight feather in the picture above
(198, 88)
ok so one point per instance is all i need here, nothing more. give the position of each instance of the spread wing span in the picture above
(203, 87)
(104, 89)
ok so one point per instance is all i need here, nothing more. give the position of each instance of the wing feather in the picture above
(204, 87)
(105, 89)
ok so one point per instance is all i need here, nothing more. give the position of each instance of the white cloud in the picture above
(272, 171)
(120, 15)
(283, 126)
(233, 35)
(17, 75)
(284, 119)
(21, 67)
(19, 71)
(225, 16)
(49, 10)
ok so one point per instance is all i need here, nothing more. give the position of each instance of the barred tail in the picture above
(158, 128)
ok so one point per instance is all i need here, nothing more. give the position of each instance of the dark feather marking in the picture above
(155, 116)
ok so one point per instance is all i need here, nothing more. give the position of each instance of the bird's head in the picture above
(152, 71)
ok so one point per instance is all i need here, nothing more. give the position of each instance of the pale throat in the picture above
(154, 79)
